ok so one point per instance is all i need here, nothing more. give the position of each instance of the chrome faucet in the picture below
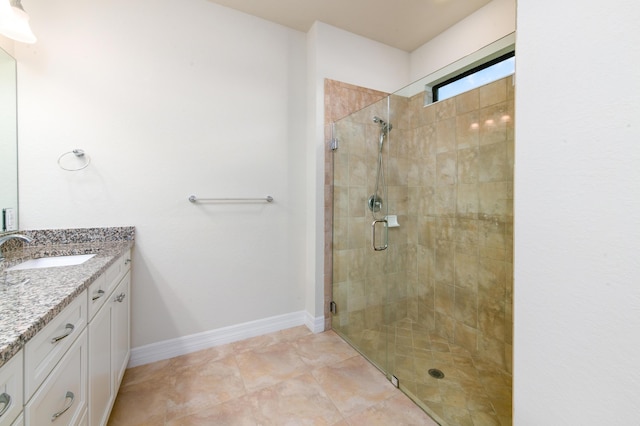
(6, 238)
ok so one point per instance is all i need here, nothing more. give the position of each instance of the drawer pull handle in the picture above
(126, 262)
(120, 297)
(100, 294)
(69, 396)
(69, 328)
(5, 399)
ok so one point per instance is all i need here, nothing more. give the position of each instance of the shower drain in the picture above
(435, 373)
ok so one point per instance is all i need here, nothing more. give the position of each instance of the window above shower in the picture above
(480, 75)
(455, 77)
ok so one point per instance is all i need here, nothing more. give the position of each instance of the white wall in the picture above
(577, 210)
(171, 99)
(488, 24)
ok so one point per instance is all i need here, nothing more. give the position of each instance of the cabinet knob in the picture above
(120, 297)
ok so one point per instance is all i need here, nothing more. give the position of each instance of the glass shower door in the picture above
(361, 251)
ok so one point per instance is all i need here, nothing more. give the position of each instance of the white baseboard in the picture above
(221, 336)
(316, 325)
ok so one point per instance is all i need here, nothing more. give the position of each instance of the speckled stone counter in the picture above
(30, 298)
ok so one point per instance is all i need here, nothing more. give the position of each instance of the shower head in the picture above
(386, 127)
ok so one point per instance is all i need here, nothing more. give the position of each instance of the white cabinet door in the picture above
(11, 390)
(101, 390)
(120, 318)
(62, 398)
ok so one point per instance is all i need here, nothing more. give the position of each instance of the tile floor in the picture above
(291, 377)
(472, 393)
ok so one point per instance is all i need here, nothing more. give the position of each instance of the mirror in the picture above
(8, 144)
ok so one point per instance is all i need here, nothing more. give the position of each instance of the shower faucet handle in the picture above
(373, 235)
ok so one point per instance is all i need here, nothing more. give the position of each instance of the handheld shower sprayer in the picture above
(375, 201)
(386, 127)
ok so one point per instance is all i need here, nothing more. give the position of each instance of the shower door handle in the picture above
(373, 235)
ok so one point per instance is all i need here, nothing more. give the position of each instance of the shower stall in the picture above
(422, 232)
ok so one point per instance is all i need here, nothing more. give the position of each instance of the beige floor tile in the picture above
(147, 372)
(293, 333)
(457, 416)
(483, 418)
(236, 412)
(453, 395)
(142, 403)
(298, 401)
(270, 365)
(321, 349)
(202, 386)
(354, 385)
(255, 343)
(202, 357)
(397, 411)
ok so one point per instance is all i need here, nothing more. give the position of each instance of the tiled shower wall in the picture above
(450, 176)
(461, 160)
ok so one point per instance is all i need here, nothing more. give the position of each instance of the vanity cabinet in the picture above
(11, 391)
(109, 346)
(68, 374)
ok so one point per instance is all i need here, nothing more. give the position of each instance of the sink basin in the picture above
(52, 262)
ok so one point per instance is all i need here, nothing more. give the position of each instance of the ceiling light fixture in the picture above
(14, 22)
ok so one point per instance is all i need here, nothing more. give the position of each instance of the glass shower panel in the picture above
(434, 310)
(361, 264)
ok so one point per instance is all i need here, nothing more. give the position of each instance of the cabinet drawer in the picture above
(116, 271)
(62, 398)
(102, 287)
(97, 295)
(11, 391)
(47, 347)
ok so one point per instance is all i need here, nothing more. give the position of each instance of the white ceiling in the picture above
(404, 24)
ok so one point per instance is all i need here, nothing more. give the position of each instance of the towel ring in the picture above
(78, 153)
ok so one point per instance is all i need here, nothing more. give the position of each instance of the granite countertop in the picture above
(31, 298)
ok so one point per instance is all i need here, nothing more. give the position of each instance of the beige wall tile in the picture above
(468, 130)
(446, 173)
(445, 109)
(493, 93)
(494, 121)
(467, 101)
(492, 163)
(446, 135)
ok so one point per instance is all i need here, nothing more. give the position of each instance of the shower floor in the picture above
(473, 392)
